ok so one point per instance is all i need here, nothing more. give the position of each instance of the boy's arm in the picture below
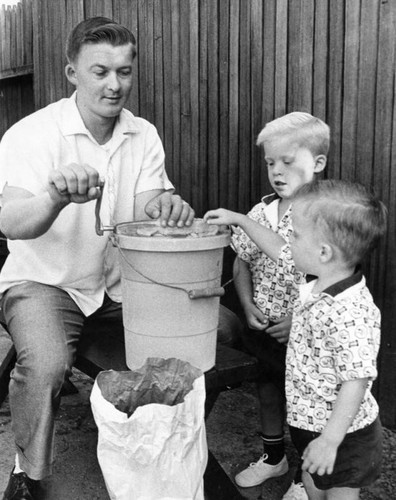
(267, 240)
(320, 454)
(244, 288)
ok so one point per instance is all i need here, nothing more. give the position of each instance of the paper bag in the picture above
(151, 431)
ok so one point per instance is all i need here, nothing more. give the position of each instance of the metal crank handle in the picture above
(98, 223)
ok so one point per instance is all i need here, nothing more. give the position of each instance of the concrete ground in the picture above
(232, 436)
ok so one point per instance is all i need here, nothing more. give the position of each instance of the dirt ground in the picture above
(232, 436)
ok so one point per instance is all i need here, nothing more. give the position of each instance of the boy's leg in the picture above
(270, 386)
(332, 494)
(45, 325)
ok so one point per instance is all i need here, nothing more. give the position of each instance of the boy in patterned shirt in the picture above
(334, 341)
(296, 147)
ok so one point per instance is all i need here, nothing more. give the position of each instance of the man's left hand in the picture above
(171, 210)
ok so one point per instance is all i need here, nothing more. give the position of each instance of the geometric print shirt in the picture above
(334, 338)
(274, 283)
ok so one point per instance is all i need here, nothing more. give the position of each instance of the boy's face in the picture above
(102, 75)
(290, 166)
(305, 243)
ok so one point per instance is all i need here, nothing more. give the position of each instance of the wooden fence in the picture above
(210, 73)
(16, 63)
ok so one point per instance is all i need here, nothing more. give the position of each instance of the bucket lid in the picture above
(150, 236)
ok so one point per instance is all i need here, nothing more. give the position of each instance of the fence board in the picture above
(233, 141)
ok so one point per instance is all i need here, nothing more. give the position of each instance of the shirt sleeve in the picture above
(153, 174)
(242, 245)
(20, 162)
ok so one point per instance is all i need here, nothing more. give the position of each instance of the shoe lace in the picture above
(262, 459)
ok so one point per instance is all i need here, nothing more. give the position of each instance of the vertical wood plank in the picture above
(319, 85)
(335, 64)
(213, 102)
(233, 178)
(224, 49)
(281, 23)
(201, 181)
(194, 167)
(350, 88)
(300, 55)
(244, 108)
(256, 97)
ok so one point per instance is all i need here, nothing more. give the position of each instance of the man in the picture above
(60, 274)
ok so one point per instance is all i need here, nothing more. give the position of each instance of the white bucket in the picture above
(160, 277)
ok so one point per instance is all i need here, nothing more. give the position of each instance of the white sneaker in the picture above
(295, 492)
(259, 471)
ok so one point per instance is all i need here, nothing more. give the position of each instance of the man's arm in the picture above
(266, 239)
(319, 456)
(26, 216)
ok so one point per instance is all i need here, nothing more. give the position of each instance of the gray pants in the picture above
(45, 325)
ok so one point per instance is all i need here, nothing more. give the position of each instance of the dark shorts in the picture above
(271, 356)
(358, 461)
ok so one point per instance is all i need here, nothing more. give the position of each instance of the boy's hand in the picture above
(281, 330)
(222, 216)
(255, 319)
(319, 456)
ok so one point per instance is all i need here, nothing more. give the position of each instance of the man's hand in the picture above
(171, 210)
(319, 456)
(281, 330)
(74, 184)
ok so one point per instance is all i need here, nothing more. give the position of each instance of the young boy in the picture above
(296, 147)
(334, 341)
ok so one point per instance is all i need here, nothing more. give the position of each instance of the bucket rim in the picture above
(167, 243)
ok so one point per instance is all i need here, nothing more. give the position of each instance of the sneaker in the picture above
(20, 487)
(295, 492)
(259, 471)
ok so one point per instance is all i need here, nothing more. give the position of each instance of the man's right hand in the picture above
(74, 184)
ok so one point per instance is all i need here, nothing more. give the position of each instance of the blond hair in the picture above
(350, 216)
(308, 131)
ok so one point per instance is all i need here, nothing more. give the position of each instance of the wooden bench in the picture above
(104, 350)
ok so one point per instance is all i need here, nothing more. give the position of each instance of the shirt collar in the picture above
(72, 123)
(344, 284)
(269, 198)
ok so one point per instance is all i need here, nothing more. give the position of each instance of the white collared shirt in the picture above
(70, 255)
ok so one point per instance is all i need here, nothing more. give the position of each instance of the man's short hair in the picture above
(98, 30)
(350, 216)
(307, 130)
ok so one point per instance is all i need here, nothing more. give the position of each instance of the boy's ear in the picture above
(326, 253)
(71, 74)
(320, 163)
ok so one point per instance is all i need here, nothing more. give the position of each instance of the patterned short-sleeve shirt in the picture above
(335, 337)
(274, 283)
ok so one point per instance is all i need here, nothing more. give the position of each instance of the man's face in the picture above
(102, 74)
(289, 165)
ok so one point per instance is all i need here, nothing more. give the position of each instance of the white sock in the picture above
(17, 469)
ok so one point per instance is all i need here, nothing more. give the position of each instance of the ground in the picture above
(232, 436)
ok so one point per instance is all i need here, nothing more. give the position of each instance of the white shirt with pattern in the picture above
(70, 255)
(274, 283)
(335, 337)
